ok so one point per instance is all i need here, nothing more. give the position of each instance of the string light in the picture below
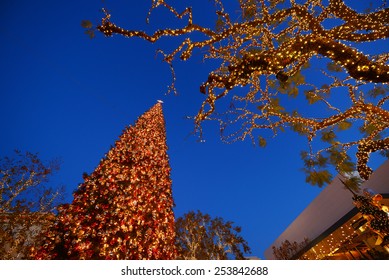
(378, 219)
(123, 210)
(261, 44)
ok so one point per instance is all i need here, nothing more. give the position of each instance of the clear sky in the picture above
(65, 95)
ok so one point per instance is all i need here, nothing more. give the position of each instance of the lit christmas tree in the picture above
(372, 210)
(123, 210)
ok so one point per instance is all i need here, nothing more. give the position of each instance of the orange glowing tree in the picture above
(123, 210)
(269, 51)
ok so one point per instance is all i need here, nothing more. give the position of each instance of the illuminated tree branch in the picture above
(266, 51)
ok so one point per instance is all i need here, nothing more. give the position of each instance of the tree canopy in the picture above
(201, 237)
(273, 54)
(289, 250)
(26, 205)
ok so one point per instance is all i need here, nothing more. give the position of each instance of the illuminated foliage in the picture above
(369, 205)
(267, 50)
(200, 237)
(372, 210)
(123, 209)
(26, 204)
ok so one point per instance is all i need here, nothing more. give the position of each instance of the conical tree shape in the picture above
(123, 210)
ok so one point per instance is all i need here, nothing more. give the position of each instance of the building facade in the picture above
(335, 228)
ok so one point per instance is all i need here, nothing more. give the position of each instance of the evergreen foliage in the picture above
(123, 209)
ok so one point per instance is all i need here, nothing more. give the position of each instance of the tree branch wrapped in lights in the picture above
(266, 51)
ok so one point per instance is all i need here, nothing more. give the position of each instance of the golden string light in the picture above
(276, 42)
(123, 210)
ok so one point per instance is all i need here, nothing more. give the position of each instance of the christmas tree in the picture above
(123, 210)
(377, 218)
